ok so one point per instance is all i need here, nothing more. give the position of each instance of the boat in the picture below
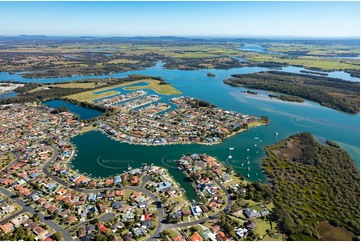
(231, 148)
(249, 168)
(242, 164)
(179, 168)
(248, 175)
(256, 137)
(248, 162)
(229, 157)
(276, 133)
(256, 174)
(247, 149)
(257, 151)
(247, 157)
(255, 144)
(260, 141)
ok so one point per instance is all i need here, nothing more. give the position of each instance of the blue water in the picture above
(82, 113)
(253, 48)
(286, 118)
(159, 67)
(8, 95)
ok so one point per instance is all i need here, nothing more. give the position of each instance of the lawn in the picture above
(6, 159)
(262, 226)
(166, 89)
(87, 129)
(67, 85)
(89, 96)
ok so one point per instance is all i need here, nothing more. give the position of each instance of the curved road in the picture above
(161, 225)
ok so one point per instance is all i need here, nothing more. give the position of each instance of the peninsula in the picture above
(330, 92)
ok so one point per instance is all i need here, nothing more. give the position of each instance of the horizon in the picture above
(215, 36)
(182, 19)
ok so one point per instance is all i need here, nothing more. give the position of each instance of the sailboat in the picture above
(230, 156)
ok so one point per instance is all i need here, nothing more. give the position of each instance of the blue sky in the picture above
(316, 19)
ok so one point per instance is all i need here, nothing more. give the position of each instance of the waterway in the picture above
(101, 156)
(8, 95)
(82, 113)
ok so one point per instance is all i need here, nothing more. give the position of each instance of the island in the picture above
(330, 92)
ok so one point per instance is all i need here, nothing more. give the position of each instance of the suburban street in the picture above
(66, 232)
(31, 210)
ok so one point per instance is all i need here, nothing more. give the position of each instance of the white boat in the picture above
(242, 164)
(229, 157)
(256, 137)
(257, 151)
(248, 175)
(256, 174)
(249, 168)
(231, 148)
(247, 157)
(248, 162)
(276, 133)
(247, 149)
(255, 144)
(260, 141)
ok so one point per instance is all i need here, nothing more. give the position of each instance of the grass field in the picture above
(89, 96)
(308, 62)
(166, 89)
(67, 85)
(6, 159)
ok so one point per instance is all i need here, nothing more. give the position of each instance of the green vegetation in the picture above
(329, 92)
(6, 159)
(41, 95)
(311, 183)
(287, 98)
(19, 233)
(159, 87)
(252, 92)
(310, 62)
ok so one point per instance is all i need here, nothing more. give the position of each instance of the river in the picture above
(101, 156)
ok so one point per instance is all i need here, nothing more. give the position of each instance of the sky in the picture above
(311, 19)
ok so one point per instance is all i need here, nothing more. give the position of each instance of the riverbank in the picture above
(329, 92)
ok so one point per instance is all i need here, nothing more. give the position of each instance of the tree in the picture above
(58, 236)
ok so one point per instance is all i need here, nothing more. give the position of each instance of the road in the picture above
(17, 156)
(161, 225)
(141, 189)
(31, 210)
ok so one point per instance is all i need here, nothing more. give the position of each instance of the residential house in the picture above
(195, 237)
